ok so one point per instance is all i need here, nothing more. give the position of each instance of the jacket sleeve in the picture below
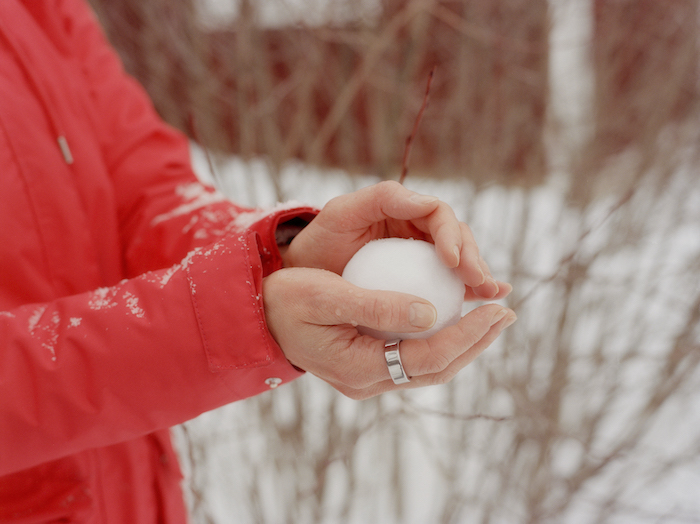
(183, 334)
(109, 365)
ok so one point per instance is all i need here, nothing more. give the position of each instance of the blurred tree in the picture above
(645, 59)
(163, 46)
(347, 96)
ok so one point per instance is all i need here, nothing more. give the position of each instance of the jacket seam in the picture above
(214, 366)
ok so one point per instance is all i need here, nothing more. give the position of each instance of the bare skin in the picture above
(312, 312)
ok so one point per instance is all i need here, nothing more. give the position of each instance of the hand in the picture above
(312, 315)
(384, 210)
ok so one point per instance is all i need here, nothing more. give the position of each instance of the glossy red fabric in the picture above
(130, 294)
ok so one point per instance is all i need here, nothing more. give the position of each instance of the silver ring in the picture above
(393, 362)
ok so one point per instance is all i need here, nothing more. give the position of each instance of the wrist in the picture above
(284, 235)
(286, 258)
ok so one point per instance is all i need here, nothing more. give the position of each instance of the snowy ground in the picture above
(586, 412)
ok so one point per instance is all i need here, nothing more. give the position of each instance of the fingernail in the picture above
(422, 315)
(510, 320)
(455, 250)
(423, 199)
(494, 284)
(498, 316)
(481, 272)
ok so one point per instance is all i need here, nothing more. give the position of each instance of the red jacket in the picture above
(130, 295)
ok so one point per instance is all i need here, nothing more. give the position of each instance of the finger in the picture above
(445, 230)
(472, 270)
(467, 357)
(435, 354)
(391, 200)
(337, 301)
(504, 289)
(457, 248)
(490, 288)
(432, 355)
(415, 351)
(378, 202)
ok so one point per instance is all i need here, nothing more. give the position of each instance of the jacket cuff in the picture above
(276, 228)
(226, 288)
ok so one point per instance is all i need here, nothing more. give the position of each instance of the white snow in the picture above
(36, 317)
(408, 266)
(46, 331)
(132, 304)
(51, 334)
(195, 196)
(103, 298)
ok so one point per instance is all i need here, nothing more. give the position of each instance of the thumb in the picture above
(390, 199)
(378, 310)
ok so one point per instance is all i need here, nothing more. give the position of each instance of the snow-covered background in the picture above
(587, 410)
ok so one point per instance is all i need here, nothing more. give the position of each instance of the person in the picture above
(134, 298)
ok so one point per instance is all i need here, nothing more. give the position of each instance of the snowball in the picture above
(408, 266)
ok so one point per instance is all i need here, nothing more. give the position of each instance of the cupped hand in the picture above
(313, 314)
(385, 210)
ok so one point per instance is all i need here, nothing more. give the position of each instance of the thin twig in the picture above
(409, 140)
(422, 410)
(566, 260)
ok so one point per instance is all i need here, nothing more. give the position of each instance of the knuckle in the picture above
(440, 379)
(375, 312)
(444, 208)
(472, 336)
(464, 227)
(350, 393)
(353, 393)
(335, 202)
(436, 363)
(341, 373)
(468, 237)
(384, 314)
(351, 377)
(355, 382)
(357, 394)
(359, 381)
(388, 186)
